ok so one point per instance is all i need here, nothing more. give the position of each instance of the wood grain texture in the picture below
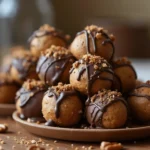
(15, 133)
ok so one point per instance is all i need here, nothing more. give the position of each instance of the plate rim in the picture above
(17, 119)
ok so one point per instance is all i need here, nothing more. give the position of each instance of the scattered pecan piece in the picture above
(111, 146)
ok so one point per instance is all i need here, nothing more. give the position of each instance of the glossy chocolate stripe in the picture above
(60, 98)
(93, 38)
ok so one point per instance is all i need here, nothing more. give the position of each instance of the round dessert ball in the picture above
(23, 66)
(7, 59)
(46, 36)
(139, 102)
(93, 40)
(91, 74)
(62, 105)
(54, 65)
(107, 109)
(125, 74)
(8, 89)
(29, 99)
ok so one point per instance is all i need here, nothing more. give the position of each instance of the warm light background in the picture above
(128, 20)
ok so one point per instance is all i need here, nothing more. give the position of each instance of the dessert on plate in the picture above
(62, 105)
(54, 65)
(107, 109)
(78, 85)
(90, 74)
(93, 40)
(29, 99)
(124, 74)
(23, 66)
(139, 102)
(45, 37)
(8, 89)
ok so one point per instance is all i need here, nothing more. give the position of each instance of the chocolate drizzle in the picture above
(93, 75)
(23, 70)
(115, 66)
(92, 35)
(97, 109)
(41, 33)
(25, 95)
(116, 83)
(59, 98)
(134, 93)
(91, 79)
(57, 65)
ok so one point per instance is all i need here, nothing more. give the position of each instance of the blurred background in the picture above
(128, 20)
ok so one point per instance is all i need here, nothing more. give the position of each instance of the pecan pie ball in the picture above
(8, 89)
(62, 105)
(93, 40)
(23, 66)
(7, 59)
(124, 74)
(91, 74)
(46, 36)
(54, 65)
(107, 109)
(139, 102)
(29, 99)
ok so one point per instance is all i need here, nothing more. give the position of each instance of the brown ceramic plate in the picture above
(7, 109)
(86, 135)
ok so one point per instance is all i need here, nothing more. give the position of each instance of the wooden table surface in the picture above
(16, 137)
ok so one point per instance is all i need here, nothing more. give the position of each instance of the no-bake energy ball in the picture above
(45, 37)
(8, 89)
(139, 102)
(54, 65)
(62, 105)
(91, 74)
(107, 109)
(93, 40)
(7, 59)
(29, 99)
(23, 66)
(124, 74)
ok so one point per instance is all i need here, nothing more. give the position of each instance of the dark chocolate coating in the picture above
(96, 109)
(92, 35)
(51, 69)
(31, 102)
(59, 98)
(23, 71)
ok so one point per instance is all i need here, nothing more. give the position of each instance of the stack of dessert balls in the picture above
(70, 84)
